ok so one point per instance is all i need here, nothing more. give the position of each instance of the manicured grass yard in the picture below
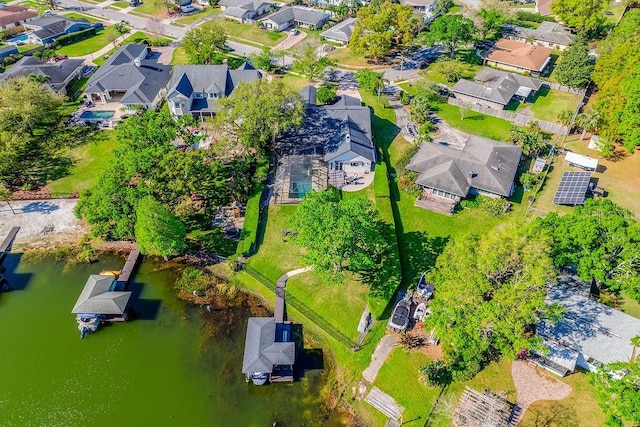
(248, 32)
(475, 123)
(294, 82)
(25, 47)
(400, 377)
(179, 57)
(90, 45)
(190, 19)
(73, 15)
(150, 7)
(90, 160)
(548, 104)
(344, 56)
(120, 4)
(140, 37)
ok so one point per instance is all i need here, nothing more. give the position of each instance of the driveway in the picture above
(290, 41)
(449, 136)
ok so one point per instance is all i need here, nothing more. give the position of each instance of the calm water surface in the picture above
(173, 366)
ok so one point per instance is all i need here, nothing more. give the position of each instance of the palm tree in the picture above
(588, 121)
(379, 83)
(564, 117)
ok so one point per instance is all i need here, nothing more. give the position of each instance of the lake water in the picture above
(175, 365)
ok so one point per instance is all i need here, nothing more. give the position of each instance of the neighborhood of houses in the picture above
(336, 146)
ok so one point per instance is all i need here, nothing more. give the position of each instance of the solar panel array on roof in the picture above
(572, 189)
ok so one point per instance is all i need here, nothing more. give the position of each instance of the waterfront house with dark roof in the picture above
(57, 75)
(244, 10)
(589, 335)
(289, 16)
(129, 78)
(269, 352)
(196, 89)
(46, 29)
(446, 174)
(341, 32)
(12, 16)
(548, 34)
(495, 89)
(511, 55)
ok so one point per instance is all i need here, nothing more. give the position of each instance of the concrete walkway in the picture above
(280, 292)
(379, 356)
(408, 129)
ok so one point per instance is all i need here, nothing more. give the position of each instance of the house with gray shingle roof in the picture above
(482, 167)
(98, 297)
(129, 78)
(341, 32)
(267, 350)
(46, 29)
(289, 16)
(495, 88)
(548, 34)
(589, 335)
(58, 74)
(243, 10)
(196, 89)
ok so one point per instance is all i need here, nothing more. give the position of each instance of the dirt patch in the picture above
(533, 384)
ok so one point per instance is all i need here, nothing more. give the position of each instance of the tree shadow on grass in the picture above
(419, 254)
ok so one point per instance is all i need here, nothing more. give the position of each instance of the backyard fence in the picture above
(562, 88)
(515, 118)
(307, 311)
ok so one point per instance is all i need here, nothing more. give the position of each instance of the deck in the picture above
(129, 267)
(384, 403)
(8, 243)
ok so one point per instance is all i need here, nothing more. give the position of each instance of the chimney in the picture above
(136, 62)
(471, 174)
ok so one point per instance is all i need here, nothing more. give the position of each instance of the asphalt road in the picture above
(140, 23)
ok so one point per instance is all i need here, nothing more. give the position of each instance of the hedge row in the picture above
(68, 39)
(249, 233)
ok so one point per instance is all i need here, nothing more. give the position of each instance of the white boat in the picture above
(87, 324)
(425, 289)
(259, 378)
(421, 310)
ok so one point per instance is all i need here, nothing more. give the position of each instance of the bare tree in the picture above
(155, 27)
(464, 108)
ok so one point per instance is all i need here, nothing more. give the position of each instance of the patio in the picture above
(533, 384)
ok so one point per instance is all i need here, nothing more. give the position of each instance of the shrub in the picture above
(405, 98)
(405, 158)
(493, 206)
(436, 373)
(193, 280)
(326, 95)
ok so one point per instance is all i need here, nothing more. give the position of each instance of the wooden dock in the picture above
(129, 267)
(8, 243)
(384, 403)
(278, 311)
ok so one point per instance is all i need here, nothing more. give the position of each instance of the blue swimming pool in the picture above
(97, 115)
(22, 38)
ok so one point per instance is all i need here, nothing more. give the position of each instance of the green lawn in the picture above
(120, 4)
(90, 45)
(140, 37)
(25, 47)
(190, 19)
(475, 123)
(547, 104)
(400, 377)
(617, 10)
(150, 7)
(248, 32)
(294, 82)
(73, 15)
(90, 160)
(344, 56)
(179, 57)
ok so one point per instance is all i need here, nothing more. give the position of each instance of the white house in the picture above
(244, 10)
(289, 16)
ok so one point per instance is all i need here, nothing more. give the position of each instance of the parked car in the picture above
(294, 32)
(400, 318)
(61, 57)
(425, 289)
(189, 9)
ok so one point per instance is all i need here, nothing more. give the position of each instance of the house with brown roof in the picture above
(12, 16)
(511, 55)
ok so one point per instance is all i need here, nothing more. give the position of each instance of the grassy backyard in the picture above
(150, 7)
(190, 19)
(120, 4)
(248, 32)
(89, 161)
(547, 104)
(90, 45)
